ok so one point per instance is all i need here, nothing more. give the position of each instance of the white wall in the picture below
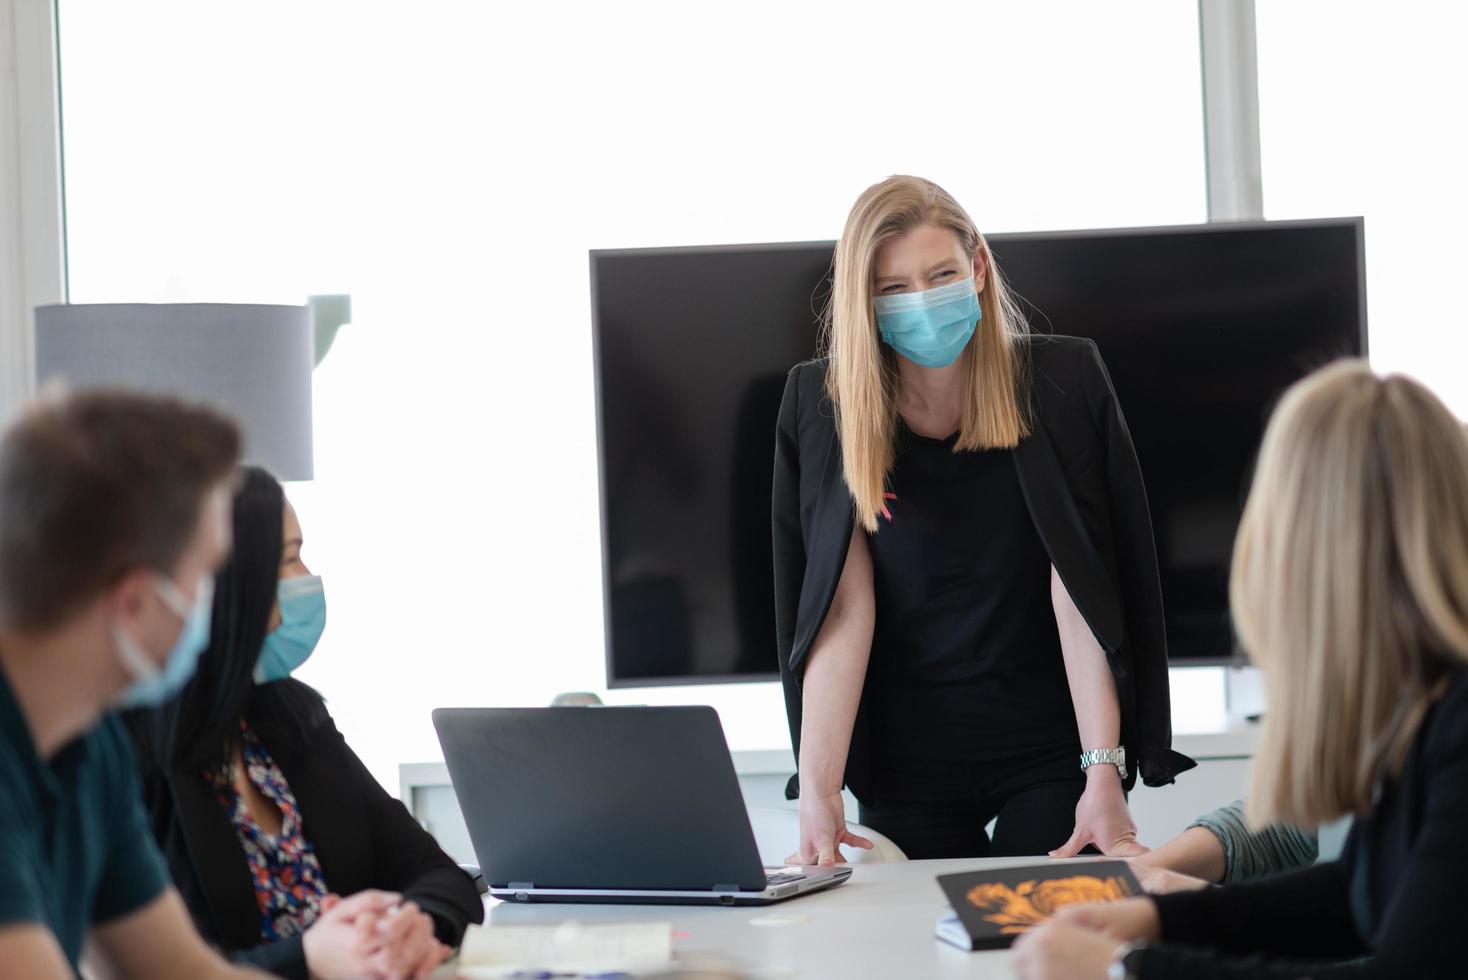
(449, 164)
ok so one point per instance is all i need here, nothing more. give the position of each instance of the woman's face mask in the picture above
(930, 328)
(302, 621)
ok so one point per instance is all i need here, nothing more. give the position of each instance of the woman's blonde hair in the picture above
(862, 379)
(1349, 585)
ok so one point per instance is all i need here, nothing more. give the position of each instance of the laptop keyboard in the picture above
(782, 878)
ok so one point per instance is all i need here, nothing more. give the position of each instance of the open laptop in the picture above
(620, 805)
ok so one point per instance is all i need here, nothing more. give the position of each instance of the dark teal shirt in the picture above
(75, 850)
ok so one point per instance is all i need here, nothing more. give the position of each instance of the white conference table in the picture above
(878, 924)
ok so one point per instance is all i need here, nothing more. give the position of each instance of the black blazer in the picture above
(1394, 896)
(363, 837)
(1083, 486)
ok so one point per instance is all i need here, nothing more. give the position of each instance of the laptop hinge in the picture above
(728, 888)
(521, 886)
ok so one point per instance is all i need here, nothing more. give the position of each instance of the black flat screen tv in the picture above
(1201, 328)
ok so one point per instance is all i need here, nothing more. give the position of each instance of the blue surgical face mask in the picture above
(153, 685)
(932, 327)
(302, 621)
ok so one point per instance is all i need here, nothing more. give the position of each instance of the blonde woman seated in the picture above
(1350, 591)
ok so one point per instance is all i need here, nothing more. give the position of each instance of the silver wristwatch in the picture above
(1105, 757)
(1118, 970)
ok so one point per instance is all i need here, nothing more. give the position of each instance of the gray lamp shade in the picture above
(253, 362)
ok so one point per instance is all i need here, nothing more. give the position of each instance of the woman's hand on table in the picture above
(823, 830)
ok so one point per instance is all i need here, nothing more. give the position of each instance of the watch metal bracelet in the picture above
(1108, 757)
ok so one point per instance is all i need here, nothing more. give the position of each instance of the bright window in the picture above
(449, 165)
(1360, 113)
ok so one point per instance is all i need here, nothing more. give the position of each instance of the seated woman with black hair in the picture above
(265, 815)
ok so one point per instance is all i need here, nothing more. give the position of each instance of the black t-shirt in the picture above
(966, 660)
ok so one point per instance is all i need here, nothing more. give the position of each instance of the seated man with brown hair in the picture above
(114, 514)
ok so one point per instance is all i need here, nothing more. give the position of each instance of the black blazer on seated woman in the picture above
(363, 837)
(1083, 488)
(1391, 906)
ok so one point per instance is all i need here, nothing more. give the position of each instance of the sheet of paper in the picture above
(571, 947)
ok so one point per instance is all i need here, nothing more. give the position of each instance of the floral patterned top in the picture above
(289, 885)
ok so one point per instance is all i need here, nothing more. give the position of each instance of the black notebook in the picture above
(991, 908)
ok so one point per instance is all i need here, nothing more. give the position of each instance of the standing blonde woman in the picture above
(966, 588)
(1350, 591)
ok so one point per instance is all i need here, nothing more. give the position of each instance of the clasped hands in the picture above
(372, 934)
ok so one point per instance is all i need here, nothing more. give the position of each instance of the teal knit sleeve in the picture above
(1252, 854)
